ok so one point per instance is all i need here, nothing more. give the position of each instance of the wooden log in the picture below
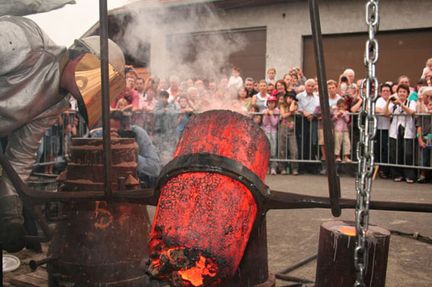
(335, 265)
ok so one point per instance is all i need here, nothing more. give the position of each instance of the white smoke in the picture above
(187, 41)
(206, 57)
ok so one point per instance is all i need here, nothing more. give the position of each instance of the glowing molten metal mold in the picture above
(206, 210)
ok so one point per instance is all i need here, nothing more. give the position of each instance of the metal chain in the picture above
(367, 123)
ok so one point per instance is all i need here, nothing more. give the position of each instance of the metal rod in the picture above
(34, 264)
(286, 200)
(299, 264)
(1, 256)
(292, 278)
(276, 200)
(143, 196)
(415, 236)
(333, 178)
(103, 14)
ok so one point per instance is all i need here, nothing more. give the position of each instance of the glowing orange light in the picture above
(202, 272)
(208, 214)
(195, 274)
(348, 230)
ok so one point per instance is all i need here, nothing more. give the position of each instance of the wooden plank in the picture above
(39, 278)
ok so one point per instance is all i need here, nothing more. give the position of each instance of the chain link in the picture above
(367, 124)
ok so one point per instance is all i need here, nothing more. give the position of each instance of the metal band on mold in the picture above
(206, 162)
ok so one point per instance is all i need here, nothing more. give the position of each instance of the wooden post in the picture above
(335, 265)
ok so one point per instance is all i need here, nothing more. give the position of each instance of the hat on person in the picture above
(88, 75)
(276, 93)
(271, 99)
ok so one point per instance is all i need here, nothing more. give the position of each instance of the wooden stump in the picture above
(335, 265)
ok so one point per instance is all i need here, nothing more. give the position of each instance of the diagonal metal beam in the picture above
(333, 178)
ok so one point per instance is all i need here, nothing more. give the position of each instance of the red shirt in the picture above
(131, 96)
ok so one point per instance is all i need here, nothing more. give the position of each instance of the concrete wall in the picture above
(287, 23)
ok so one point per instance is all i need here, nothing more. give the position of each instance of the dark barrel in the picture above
(100, 243)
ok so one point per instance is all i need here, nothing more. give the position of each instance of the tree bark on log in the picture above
(335, 265)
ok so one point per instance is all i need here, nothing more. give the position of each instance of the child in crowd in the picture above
(256, 118)
(424, 132)
(185, 112)
(235, 81)
(341, 120)
(122, 104)
(270, 123)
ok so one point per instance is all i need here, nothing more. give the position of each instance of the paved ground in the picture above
(293, 234)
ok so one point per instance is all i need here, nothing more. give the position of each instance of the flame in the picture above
(347, 230)
(192, 270)
(195, 275)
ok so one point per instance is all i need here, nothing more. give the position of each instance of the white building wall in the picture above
(284, 34)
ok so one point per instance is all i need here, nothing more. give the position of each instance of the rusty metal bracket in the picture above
(32, 197)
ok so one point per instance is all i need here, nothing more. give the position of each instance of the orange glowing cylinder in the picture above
(204, 215)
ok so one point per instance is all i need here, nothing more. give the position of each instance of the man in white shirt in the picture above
(307, 126)
(307, 100)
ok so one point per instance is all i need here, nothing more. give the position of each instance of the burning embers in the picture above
(185, 267)
(207, 209)
(203, 223)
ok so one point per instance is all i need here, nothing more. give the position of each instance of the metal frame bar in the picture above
(333, 178)
(103, 14)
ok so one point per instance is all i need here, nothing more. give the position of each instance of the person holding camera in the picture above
(349, 74)
(402, 133)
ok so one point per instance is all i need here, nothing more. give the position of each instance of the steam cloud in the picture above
(207, 58)
(187, 42)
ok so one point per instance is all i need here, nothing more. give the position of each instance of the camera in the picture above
(128, 69)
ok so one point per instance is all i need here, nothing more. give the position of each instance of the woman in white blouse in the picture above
(402, 133)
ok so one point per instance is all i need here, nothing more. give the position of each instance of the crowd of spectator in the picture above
(287, 107)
